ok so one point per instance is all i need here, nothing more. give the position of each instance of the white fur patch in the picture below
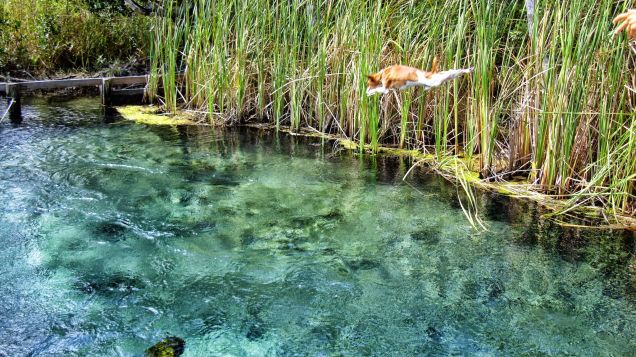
(421, 76)
(439, 78)
(410, 84)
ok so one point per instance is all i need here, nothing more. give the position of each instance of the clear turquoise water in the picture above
(114, 236)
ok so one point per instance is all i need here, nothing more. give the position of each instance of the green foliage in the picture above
(65, 34)
(110, 6)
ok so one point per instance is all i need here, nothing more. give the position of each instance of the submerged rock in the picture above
(168, 347)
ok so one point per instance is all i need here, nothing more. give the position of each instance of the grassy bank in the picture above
(42, 37)
(549, 103)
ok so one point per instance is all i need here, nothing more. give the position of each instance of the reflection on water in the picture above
(244, 243)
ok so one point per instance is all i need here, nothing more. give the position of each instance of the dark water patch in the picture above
(255, 330)
(302, 222)
(248, 237)
(112, 231)
(499, 208)
(495, 289)
(433, 334)
(254, 326)
(115, 284)
(204, 227)
(226, 241)
(181, 228)
(212, 178)
(334, 214)
(427, 234)
(227, 210)
(362, 264)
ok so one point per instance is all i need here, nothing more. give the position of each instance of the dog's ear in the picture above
(373, 77)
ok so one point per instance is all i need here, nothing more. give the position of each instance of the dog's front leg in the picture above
(377, 90)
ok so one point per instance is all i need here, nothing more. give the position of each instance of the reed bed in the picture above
(549, 99)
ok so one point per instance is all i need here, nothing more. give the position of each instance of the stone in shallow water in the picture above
(169, 347)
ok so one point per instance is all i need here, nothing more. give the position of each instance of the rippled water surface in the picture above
(114, 236)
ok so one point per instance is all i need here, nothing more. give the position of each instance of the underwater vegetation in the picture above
(246, 242)
(549, 100)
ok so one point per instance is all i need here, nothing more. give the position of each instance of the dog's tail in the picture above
(434, 67)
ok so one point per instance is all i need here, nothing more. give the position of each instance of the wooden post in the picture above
(105, 91)
(15, 112)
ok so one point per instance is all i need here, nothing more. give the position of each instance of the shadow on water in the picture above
(247, 242)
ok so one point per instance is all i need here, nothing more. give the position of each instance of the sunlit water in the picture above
(115, 235)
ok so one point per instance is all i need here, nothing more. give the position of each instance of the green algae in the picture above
(169, 347)
(151, 115)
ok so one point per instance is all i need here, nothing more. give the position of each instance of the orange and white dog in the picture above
(400, 77)
(627, 22)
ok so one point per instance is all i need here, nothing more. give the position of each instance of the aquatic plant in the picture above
(171, 346)
(547, 100)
